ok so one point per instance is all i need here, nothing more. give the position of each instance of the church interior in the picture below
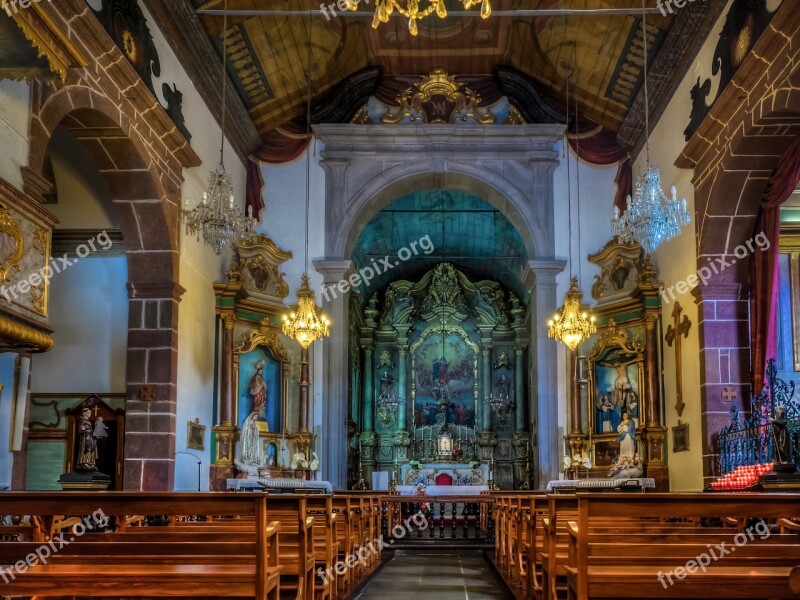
(400, 299)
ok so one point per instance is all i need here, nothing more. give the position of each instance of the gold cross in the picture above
(674, 334)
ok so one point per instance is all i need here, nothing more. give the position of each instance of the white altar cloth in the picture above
(279, 482)
(444, 490)
(645, 483)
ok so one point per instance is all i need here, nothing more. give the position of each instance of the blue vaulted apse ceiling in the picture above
(464, 229)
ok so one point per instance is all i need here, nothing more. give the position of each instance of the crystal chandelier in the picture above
(217, 217)
(650, 217)
(411, 10)
(306, 322)
(571, 324)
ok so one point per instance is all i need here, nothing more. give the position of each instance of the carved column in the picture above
(368, 413)
(519, 388)
(654, 430)
(333, 432)
(486, 368)
(544, 405)
(402, 356)
(304, 383)
(225, 432)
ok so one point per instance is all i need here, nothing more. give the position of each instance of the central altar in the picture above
(445, 475)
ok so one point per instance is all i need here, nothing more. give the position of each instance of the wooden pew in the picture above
(346, 539)
(177, 562)
(607, 562)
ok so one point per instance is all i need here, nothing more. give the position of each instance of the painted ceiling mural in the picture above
(603, 55)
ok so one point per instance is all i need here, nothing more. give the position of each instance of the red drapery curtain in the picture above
(764, 284)
(280, 145)
(599, 146)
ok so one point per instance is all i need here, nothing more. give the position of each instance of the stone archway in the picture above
(144, 178)
(512, 167)
(733, 155)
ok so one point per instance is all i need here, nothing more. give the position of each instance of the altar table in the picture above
(444, 490)
(280, 483)
(645, 483)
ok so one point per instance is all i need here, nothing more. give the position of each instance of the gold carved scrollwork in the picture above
(10, 257)
(439, 98)
(262, 336)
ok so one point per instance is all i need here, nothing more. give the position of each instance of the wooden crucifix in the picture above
(674, 334)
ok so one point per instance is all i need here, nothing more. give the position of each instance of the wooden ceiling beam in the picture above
(690, 29)
(191, 43)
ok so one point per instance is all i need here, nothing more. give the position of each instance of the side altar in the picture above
(262, 429)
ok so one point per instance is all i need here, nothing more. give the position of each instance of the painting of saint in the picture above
(616, 379)
(445, 391)
(260, 389)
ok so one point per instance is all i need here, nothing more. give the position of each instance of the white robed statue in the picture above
(251, 455)
(627, 437)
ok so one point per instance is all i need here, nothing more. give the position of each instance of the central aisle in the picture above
(434, 577)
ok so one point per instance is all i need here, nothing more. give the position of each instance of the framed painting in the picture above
(680, 437)
(444, 367)
(261, 373)
(195, 435)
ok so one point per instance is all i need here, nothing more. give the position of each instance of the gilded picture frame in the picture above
(195, 435)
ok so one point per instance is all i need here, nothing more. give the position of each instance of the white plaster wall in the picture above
(591, 230)
(15, 99)
(283, 221)
(200, 267)
(88, 302)
(675, 260)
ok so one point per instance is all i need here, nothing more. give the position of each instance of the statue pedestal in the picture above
(83, 481)
(780, 481)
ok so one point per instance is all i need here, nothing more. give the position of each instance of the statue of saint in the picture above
(258, 390)
(504, 386)
(782, 441)
(627, 437)
(87, 445)
(252, 450)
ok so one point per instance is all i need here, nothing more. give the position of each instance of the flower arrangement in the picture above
(299, 461)
(474, 463)
(458, 453)
(414, 464)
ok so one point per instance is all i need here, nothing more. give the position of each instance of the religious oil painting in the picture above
(445, 381)
(617, 391)
(260, 389)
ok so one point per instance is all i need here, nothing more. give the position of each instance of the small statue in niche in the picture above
(251, 456)
(87, 445)
(782, 441)
(504, 386)
(100, 434)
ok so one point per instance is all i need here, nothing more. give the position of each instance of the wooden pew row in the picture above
(515, 521)
(170, 564)
(606, 562)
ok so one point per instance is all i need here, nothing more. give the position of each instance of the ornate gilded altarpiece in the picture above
(256, 362)
(25, 238)
(622, 360)
(443, 343)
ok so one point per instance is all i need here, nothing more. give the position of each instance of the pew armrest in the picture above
(572, 529)
(272, 543)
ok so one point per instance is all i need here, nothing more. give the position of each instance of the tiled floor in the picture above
(434, 577)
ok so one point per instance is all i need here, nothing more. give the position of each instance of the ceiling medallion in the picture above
(439, 98)
(412, 10)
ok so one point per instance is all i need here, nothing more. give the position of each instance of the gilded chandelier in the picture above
(571, 324)
(306, 322)
(411, 9)
(651, 217)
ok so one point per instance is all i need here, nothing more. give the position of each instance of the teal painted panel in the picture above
(45, 464)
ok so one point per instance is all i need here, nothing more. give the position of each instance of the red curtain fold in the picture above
(624, 183)
(765, 283)
(280, 145)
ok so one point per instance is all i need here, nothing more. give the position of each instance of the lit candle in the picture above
(232, 201)
(205, 198)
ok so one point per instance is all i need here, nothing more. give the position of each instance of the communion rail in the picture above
(410, 521)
